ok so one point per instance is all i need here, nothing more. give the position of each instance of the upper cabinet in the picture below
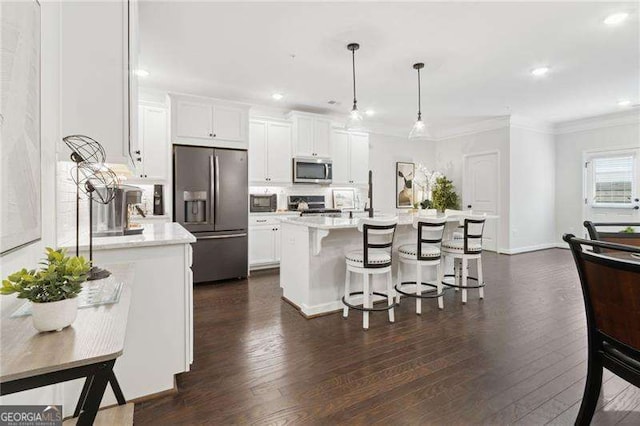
(350, 157)
(208, 122)
(269, 152)
(152, 153)
(311, 135)
(97, 83)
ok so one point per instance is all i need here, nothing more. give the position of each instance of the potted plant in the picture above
(53, 289)
(443, 195)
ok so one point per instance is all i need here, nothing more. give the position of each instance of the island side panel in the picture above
(294, 263)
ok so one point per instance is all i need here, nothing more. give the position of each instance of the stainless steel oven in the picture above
(312, 170)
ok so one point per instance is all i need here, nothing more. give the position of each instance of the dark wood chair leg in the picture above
(591, 391)
(95, 394)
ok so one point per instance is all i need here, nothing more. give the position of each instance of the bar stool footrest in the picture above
(361, 308)
(462, 287)
(422, 296)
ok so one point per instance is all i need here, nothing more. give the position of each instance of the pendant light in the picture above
(419, 130)
(354, 121)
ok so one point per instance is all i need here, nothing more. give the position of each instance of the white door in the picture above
(322, 138)
(261, 244)
(340, 156)
(481, 191)
(258, 151)
(155, 147)
(228, 123)
(194, 120)
(303, 136)
(279, 152)
(359, 158)
(611, 182)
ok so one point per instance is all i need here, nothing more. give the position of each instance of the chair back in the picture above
(626, 238)
(378, 235)
(473, 230)
(611, 291)
(430, 231)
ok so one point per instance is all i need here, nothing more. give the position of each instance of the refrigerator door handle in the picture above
(219, 237)
(217, 189)
(211, 191)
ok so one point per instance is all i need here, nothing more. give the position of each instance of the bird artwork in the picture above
(404, 184)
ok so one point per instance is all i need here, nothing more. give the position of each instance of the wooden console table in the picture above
(88, 348)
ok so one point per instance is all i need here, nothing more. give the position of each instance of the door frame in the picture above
(465, 158)
(586, 154)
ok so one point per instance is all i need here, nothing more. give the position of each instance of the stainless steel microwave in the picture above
(263, 203)
(312, 170)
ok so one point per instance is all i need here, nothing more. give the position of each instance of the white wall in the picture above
(449, 160)
(50, 133)
(532, 190)
(573, 139)
(384, 152)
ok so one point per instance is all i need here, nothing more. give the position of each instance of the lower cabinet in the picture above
(264, 246)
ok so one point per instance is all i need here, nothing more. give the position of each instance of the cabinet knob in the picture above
(214, 135)
(210, 135)
(138, 152)
(139, 159)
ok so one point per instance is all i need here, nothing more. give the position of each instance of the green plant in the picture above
(443, 195)
(628, 230)
(60, 277)
(425, 204)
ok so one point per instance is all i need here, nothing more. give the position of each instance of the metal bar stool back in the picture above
(375, 258)
(611, 291)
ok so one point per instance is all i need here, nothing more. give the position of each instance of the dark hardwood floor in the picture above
(517, 357)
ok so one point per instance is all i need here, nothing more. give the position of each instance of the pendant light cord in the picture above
(419, 97)
(353, 67)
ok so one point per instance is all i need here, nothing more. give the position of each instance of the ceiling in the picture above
(478, 56)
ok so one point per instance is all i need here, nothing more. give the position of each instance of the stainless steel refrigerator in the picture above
(211, 201)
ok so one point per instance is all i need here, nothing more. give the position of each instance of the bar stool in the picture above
(425, 252)
(463, 250)
(373, 259)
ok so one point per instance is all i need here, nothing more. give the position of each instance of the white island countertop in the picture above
(154, 234)
(323, 222)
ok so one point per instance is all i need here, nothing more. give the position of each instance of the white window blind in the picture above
(613, 180)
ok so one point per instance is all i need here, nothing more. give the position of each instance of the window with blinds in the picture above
(613, 180)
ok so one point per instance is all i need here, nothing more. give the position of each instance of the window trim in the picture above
(634, 187)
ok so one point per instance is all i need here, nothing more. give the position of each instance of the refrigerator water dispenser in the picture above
(195, 206)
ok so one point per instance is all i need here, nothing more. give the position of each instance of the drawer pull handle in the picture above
(264, 220)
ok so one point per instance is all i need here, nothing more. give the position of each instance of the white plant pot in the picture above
(54, 315)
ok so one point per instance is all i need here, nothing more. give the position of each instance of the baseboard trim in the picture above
(160, 394)
(528, 249)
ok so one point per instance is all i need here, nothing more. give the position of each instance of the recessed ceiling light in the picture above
(370, 112)
(277, 96)
(540, 71)
(624, 102)
(142, 73)
(616, 18)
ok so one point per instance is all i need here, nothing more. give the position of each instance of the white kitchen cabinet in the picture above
(96, 75)
(264, 241)
(269, 152)
(350, 154)
(311, 135)
(195, 120)
(208, 122)
(152, 154)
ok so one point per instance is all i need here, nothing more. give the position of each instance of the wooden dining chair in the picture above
(610, 236)
(611, 290)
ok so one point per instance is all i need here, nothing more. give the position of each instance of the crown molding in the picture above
(622, 118)
(526, 123)
(472, 128)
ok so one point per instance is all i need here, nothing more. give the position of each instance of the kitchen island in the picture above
(312, 264)
(159, 338)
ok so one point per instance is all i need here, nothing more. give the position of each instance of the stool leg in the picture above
(399, 282)
(418, 288)
(347, 290)
(366, 300)
(440, 287)
(464, 279)
(480, 277)
(392, 317)
(456, 272)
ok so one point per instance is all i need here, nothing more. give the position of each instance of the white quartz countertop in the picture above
(154, 234)
(346, 223)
